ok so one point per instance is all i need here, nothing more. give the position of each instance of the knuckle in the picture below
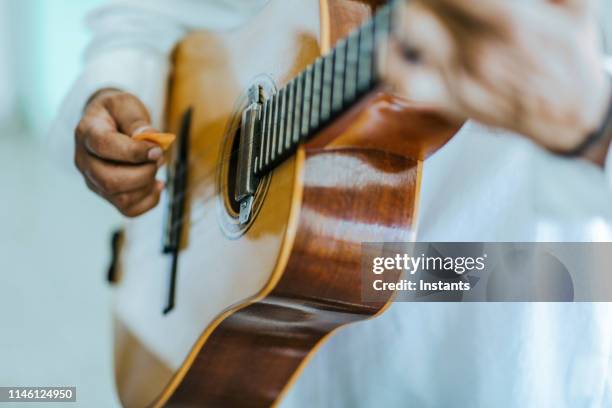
(121, 99)
(102, 144)
(123, 200)
(89, 185)
(126, 211)
(135, 153)
(117, 98)
(155, 201)
(77, 161)
(109, 184)
(151, 172)
(81, 128)
(131, 212)
(95, 142)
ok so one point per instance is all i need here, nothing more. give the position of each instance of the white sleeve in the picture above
(130, 51)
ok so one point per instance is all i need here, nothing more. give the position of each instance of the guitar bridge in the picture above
(173, 226)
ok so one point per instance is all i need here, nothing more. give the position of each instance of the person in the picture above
(487, 184)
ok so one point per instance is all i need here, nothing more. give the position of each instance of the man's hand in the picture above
(115, 166)
(533, 67)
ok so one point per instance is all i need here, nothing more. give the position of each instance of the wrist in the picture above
(596, 113)
(598, 152)
(596, 127)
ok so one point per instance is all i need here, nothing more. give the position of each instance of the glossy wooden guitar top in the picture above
(253, 302)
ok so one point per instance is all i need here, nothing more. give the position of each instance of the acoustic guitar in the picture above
(289, 154)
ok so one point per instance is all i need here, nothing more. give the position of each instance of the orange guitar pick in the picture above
(164, 140)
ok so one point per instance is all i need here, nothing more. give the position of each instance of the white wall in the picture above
(7, 88)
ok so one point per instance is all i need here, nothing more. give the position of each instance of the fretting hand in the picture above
(532, 67)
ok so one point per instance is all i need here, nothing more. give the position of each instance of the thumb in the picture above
(129, 113)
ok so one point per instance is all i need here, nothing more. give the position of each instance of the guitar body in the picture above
(254, 301)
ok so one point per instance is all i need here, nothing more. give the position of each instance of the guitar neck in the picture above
(329, 86)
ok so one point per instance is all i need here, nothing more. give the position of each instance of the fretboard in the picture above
(325, 89)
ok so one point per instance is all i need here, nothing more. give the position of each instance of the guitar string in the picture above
(202, 202)
(224, 162)
(192, 162)
(192, 222)
(197, 183)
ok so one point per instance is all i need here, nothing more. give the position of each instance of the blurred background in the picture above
(54, 238)
(54, 302)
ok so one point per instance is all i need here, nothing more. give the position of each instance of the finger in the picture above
(97, 131)
(114, 178)
(416, 82)
(421, 32)
(474, 99)
(129, 113)
(95, 120)
(118, 147)
(145, 204)
(126, 200)
(92, 186)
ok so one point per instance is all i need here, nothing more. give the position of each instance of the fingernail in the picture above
(155, 153)
(142, 129)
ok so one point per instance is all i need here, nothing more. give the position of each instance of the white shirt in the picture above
(485, 185)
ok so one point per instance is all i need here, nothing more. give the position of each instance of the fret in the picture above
(268, 130)
(366, 58)
(307, 96)
(290, 113)
(281, 122)
(339, 65)
(315, 107)
(326, 93)
(352, 61)
(297, 120)
(274, 127)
